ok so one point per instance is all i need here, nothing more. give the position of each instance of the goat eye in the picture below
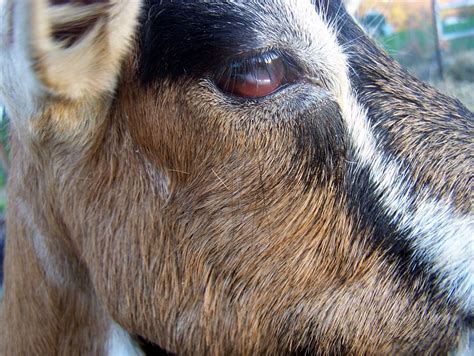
(254, 77)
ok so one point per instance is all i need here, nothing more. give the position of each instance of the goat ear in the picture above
(67, 48)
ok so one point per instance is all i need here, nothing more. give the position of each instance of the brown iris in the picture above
(254, 77)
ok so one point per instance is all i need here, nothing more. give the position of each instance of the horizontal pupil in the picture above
(254, 77)
(256, 73)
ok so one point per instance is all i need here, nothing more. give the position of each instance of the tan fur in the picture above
(76, 82)
(184, 276)
(96, 57)
(181, 219)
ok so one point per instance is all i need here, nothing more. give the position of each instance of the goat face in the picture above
(263, 180)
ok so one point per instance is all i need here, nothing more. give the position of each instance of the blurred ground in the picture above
(459, 78)
(464, 91)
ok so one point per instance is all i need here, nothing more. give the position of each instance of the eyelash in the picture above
(252, 60)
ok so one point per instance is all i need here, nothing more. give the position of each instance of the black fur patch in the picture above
(151, 349)
(191, 38)
(366, 62)
(364, 201)
(320, 143)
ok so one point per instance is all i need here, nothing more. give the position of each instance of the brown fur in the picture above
(188, 223)
(208, 294)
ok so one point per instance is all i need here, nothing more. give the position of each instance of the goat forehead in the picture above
(178, 38)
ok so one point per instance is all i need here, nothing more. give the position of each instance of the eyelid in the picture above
(267, 56)
(259, 57)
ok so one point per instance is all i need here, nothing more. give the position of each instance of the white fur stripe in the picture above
(119, 343)
(440, 236)
(466, 345)
(54, 270)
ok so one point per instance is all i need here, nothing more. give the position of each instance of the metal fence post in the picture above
(436, 30)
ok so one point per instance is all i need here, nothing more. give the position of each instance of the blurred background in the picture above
(433, 39)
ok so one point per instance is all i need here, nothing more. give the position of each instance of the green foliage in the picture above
(461, 44)
(409, 46)
(466, 24)
(4, 129)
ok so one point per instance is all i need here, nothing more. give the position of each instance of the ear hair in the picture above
(71, 49)
(77, 49)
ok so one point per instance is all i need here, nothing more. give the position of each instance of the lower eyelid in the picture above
(280, 94)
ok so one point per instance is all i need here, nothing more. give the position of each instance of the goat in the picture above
(228, 178)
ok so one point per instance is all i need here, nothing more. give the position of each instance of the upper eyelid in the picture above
(248, 58)
(255, 54)
(272, 54)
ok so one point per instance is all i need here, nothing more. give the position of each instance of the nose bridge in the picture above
(439, 234)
